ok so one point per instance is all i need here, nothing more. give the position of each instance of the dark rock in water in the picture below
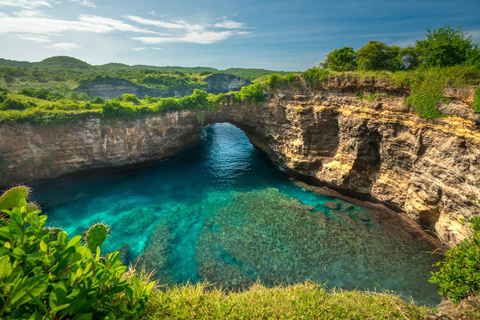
(363, 216)
(331, 205)
(310, 208)
(223, 83)
(347, 206)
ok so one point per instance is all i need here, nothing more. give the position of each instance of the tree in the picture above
(410, 58)
(444, 47)
(343, 59)
(376, 55)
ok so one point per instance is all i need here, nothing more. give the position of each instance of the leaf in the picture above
(5, 267)
(36, 286)
(86, 316)
(74, 241)
(43, 246)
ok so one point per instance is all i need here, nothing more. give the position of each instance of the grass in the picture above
(301, 301)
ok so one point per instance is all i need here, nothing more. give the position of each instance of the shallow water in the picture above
(221, 212)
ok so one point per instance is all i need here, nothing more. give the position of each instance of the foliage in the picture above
(343, 59)
(315, 76)
(127, 97)
(63, 62)
(301, 301)
(43, 94)
(3, 95)
(426, 92)
(377, 55)
(253, 93)
(444, 47)
(98, 100)
(46, 275)
(459, 275)
(122, 111)
(476, 101)
(13, 104)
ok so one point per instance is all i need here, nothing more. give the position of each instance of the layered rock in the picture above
(374, 148)
(223, 83)
(32, 152)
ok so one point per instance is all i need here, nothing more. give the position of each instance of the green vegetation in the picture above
(302, 301)
(476, 101)
(444, 47)
(254, 93)
(459, 275)
(46, 275)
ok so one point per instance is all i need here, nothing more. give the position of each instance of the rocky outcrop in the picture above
(377, 149)
(223, 83)
(35, 152)
(109, 88)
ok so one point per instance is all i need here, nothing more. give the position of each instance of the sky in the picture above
(279, 35)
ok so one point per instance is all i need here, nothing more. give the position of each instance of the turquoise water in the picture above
(221, 212)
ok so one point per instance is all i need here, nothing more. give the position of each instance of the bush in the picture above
(253, 93)
(46, 275)
(459, 275)
(476, 101)
(315, 76)
(98, 100)
(117, 109)
(3, 96)
(130, 98)
(12, 104)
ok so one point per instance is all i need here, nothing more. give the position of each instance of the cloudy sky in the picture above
(280, 35)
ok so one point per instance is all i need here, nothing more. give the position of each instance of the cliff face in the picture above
(223, 83)
(30, 152)
(379, 149)
(427, 168)
(110, 88)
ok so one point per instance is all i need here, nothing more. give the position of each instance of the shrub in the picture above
(476, 101)
(46, 275)
(119, 110)
(12, 104)
(127, 97)
(98, 100)
(253, 93)
(315, 76)
(3, 96)
(459, 275)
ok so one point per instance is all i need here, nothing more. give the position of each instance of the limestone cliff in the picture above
(378, 148)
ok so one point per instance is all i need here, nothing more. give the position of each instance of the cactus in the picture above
(15, 197)
(96, 235)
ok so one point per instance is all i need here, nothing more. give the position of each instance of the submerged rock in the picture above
(331, 205)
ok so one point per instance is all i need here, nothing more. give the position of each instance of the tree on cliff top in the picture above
(343, 59)
(445, 47)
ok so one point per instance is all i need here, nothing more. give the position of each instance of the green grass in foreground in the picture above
(301, 301)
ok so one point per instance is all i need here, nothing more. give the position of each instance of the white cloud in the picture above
(207, 37)
(229, 24)
(27, 4)
(64, 46)
(34, 38)
(85, 23)
(28, 13)
(139, 49)
(85, 3)
(165, 24)
(158, 49)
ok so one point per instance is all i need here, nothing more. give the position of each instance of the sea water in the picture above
(222, 212)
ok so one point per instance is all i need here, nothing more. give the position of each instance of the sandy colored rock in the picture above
(427, 168)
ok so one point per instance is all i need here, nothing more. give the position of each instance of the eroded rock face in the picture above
(35, 152)
(222, 83)
(427, 168)
(110, 88)
(379, 149)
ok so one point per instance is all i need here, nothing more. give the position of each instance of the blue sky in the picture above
(279, 35)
